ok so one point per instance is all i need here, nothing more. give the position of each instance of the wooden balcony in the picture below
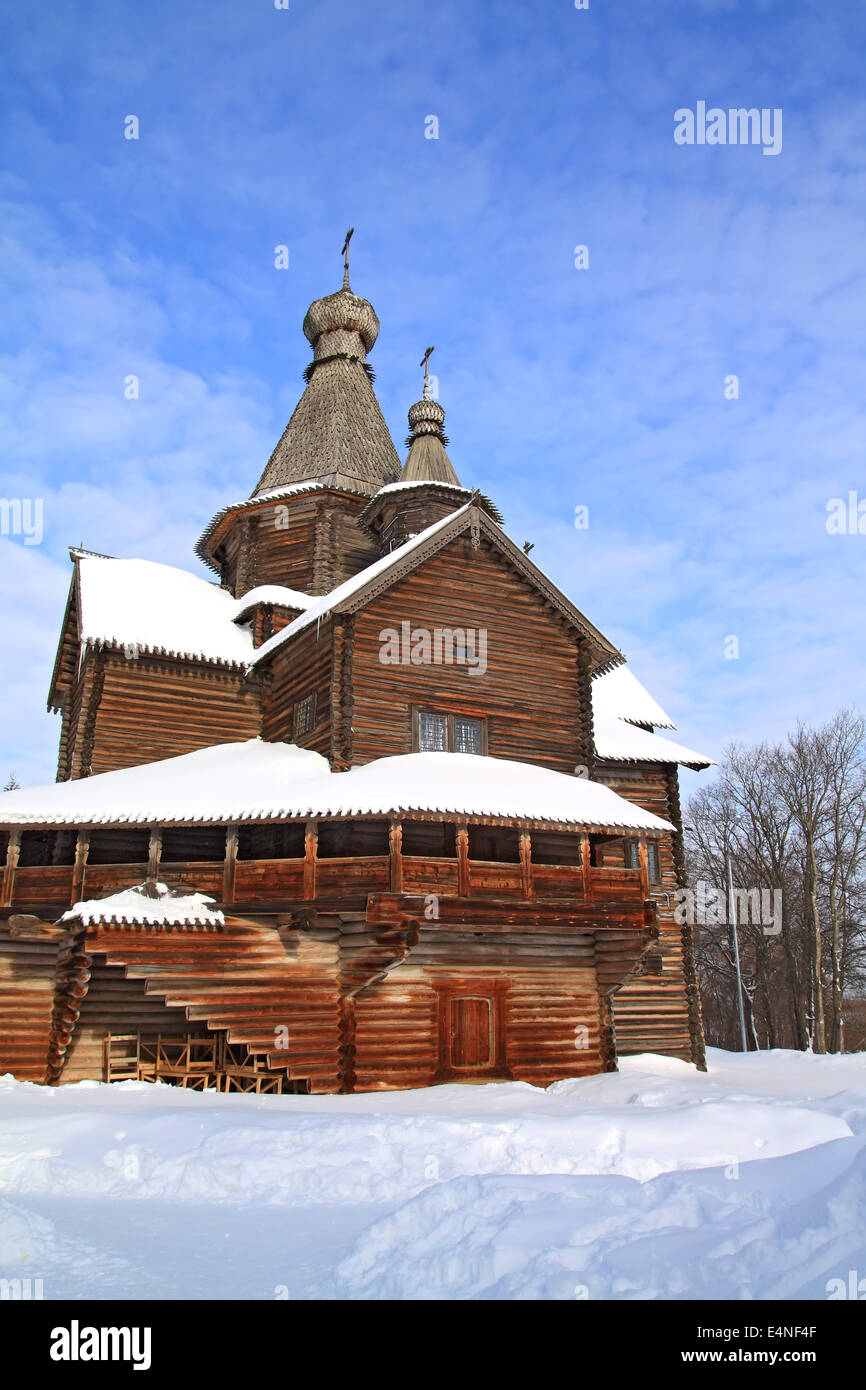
(273, 882)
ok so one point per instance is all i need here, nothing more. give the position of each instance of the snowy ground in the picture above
(748, 1181)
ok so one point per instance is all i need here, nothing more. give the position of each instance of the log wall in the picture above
(529, 693)
(656, 1013)
(152, 708)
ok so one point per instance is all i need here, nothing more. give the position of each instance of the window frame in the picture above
(450, 732)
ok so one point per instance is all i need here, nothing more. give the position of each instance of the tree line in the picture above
(789, 817)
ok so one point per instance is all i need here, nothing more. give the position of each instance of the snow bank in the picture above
(748, 1181)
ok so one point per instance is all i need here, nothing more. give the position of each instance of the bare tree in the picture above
(792, 818)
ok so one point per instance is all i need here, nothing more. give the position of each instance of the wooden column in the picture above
(586, 866)
(395, 849)
(231, 860)
(526, 884)
(311, 843)
(154, 850)
(13, 850)
(462, 861)
(643, 865)
(79, 870)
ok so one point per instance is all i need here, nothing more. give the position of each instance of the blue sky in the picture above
(601, 387)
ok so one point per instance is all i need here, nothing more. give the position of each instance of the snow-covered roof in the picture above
(279, 781)
(421, 482)
(158, 608)
(619, 741)
(620, 704)
(276, 594)
(619, 694)
(142, 906)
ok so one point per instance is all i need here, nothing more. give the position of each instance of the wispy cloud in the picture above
(601, 387)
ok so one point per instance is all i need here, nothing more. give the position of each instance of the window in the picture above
(448, 733)
(305, 715)
(632, 859)
(652, 854)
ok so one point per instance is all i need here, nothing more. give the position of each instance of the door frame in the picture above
(469, 987)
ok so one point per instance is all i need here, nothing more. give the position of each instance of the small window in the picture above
(305, 715)
(632, 859)
(449, 733)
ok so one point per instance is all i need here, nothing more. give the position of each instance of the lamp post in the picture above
(732, 918)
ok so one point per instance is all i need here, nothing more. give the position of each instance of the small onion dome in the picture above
(341, 323)
(427, 460)
(426, 417)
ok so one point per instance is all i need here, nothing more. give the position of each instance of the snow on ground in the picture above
(748, 1181)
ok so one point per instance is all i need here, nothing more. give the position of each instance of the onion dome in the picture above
(427, 460)
(337, 435)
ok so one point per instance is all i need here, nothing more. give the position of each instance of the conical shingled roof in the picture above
(337, 433)
(427, 460)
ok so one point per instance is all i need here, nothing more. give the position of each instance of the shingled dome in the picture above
(337, 432)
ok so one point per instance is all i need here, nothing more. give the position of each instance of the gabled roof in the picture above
(354, 593)
(149, 607)
(158, 608)
(258, 781)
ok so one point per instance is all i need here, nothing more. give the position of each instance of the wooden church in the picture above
(376, 807)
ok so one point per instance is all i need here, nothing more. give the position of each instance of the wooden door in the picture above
(471, 1032)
